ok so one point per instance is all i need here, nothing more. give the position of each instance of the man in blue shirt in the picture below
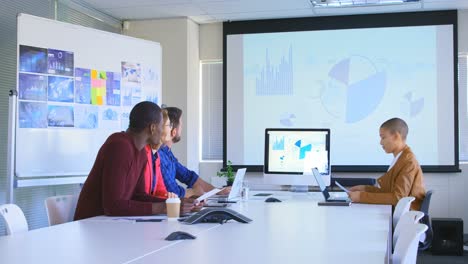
(172, 169)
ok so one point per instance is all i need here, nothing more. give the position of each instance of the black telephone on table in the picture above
(216, 215)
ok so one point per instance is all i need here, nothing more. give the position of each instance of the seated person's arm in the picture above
(206, 187)
(115, 172)
(200, 187)
(185, 175)
(357, 188)
(194, 183)
(401, 188)
(371, 188)
(195, 191)
(186, 206)
(142, 195)
(172, 186)
(365, 188)
(200, 183)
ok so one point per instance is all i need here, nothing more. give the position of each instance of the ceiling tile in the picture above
(149, 12)
(244, 6)
(111, 4)
(264, 15)
(209, 10)
(368, 9)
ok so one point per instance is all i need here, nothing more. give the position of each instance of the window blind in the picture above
(212, 110)
(462, 105)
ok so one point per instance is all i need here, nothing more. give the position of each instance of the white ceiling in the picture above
(207, 11)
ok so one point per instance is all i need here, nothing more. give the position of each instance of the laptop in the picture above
(236, 189)
(328, 197)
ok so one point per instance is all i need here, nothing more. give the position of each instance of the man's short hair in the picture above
(174, 115)
(396, 125)
(143, 114)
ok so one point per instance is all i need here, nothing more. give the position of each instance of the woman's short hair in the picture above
(396, 125)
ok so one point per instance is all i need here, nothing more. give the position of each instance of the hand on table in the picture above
(357, 188)
(171, 195)
(355, 196)
(194, 192)
(190, 205)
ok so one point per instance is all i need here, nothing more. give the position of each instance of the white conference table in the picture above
(293, 231)
(94, 240)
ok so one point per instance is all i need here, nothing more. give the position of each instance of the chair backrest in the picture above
(15, 221)
(60, 209)
(426, 239)
(406, 248)
(408, 218)
(402, 207)
(426, 202)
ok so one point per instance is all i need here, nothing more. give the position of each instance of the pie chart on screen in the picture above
(354, 90)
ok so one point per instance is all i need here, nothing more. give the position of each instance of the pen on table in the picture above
(140, 219)
(148, 220)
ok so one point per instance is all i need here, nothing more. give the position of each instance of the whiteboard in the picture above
(76, 86)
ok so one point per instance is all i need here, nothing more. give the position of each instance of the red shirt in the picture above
(154, 184)
(115, 185)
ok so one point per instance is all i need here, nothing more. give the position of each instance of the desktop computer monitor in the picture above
(292, 152)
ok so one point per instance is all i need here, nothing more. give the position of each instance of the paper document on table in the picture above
(341, 187)
(208, 194)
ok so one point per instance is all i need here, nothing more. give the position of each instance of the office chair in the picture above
(408, 218)
(426, 239)
(402, 207)
(60, 209)
(14, 218)
(406, 248)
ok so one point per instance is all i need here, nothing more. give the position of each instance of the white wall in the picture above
(211, 41)
(180, 75)
(193, 97)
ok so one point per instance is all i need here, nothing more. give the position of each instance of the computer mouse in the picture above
(272, 200)
(179, 235)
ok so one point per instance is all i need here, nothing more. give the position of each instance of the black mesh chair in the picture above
(427, 221)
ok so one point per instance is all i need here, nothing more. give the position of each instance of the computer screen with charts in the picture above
(295, 151)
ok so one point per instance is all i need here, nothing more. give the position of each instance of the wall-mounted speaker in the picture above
(448, 236)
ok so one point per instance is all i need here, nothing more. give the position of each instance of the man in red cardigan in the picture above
(115, 185)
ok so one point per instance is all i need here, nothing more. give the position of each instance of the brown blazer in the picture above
(404, 179)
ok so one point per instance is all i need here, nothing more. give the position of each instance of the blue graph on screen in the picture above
(303, 149)
(276, 80)
(279, 143)
(411, 105)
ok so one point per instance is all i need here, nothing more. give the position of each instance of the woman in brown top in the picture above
(404, 176)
